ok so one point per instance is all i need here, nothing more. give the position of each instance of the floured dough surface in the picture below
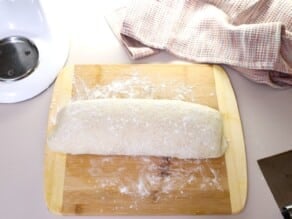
(147, 127)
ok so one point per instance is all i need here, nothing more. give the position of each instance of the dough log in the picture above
(143, 127)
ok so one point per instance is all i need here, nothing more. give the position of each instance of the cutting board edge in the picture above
(237, 179)
(70, 69)
(54, 193)
(53, 160)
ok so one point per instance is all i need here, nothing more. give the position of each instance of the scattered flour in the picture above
(153, 178)
(134, 86)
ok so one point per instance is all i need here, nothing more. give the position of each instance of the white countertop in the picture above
(266, 116)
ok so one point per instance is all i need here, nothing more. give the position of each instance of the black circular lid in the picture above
(18, 58)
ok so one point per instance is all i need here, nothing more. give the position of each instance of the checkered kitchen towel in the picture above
(252, 36)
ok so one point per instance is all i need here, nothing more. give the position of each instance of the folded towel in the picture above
(252, 36)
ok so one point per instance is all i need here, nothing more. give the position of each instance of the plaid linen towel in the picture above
(252, 36)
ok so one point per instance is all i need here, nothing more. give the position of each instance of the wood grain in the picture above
(235, 155)
(55, 163)
(123, 185)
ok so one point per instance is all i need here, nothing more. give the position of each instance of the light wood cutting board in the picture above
(124, 185)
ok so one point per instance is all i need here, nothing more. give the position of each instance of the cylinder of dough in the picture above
(138, 127)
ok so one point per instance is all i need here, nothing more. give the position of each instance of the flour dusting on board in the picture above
(155, 178)
(134, 85)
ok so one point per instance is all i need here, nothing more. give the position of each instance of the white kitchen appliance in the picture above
(32, 51)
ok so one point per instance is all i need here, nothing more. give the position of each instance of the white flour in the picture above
(153, 179)
(134, 86)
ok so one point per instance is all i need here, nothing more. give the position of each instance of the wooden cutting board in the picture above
(124, 185)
